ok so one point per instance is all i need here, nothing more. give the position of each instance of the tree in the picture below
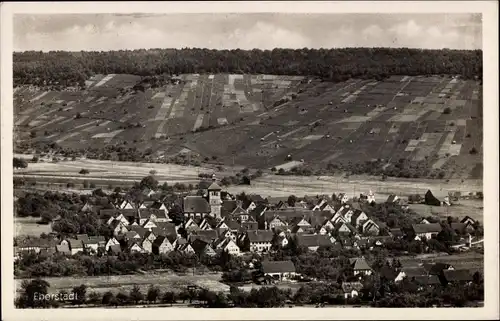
(473, 151)
(447, 111)
(107, 298)
(168, 297)
(122, 298)
(153, 172)
(149, 182)
(292, 199)
(95, 298)
(20, 163)
(153, 294)
(84, 171)
(176, 214)
(136, 295)
(31, 291)
(80, 294)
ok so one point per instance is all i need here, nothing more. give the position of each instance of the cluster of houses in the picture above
(421, 276)
(216, 221)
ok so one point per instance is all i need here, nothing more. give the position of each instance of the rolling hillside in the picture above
(433, 123)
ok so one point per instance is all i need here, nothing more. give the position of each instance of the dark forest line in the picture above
(64, 68)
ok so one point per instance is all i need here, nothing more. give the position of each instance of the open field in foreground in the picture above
(165, 281)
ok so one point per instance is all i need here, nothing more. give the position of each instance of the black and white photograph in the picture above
(300, 161)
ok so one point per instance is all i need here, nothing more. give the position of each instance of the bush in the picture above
(473, 151)
(84, 171)
(447, 111)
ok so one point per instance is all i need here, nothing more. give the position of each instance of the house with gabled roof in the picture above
(126, 205)
(260, 241)
(75, 246)
(470, 224)
(208, 236)
(343, 198)
(426, 230)
(326, 227)
(468, 220)
(114, 249)
(410, 272)
(313, 241)
(370, 228)
(63, 248)
(360, 266)
(139, 230)
(93, 243)
(118, 227)
(145, 204)
(229, 246)
(279, 270)
(195, 206)
(258, 211)
(396, 232)
(110, 242)
(248, 205)
(274, 222)
(202, 248)
(162, 245)
(191, 224)
(149, 224)
(344, 228)
(185, 248)
(147, 245)
(358, 218)
(392, 199)
(135, 247)
(240, 214)
(208, 223)
(158, 205)
(250, 224)
(227, 207)
(424, 221)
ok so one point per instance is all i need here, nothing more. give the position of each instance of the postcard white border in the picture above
(489, 10)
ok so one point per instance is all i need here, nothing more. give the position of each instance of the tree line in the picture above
(62, 68)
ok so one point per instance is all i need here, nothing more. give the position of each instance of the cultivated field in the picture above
(165, 281)
(436, 120)
(28, 226)
(472, 208)
(468, 260)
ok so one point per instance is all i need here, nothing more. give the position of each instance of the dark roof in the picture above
(211, 221)
(457, 275)
(348, 287)
(260, 236)
(199, 246)
(115, 248)
(258, 210)
(413, 271)
(63, 248)
(349, 226)
(256, 198)
(94, 240)
(75, 244)
(195, 204)
(82, 237)
(138, 229)
(426, 279)
(430, 199)
(278, 266)
(388, 273)
(467, 218)
(214, 187)
(396, 231)
(164, 228)
(228, 207)
(159, 240)
(426, 228)
(313, 240)
(392, 198)
(460, 227)
(436, 268)
(146, 213)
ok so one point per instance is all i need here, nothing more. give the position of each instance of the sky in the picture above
(75, 32)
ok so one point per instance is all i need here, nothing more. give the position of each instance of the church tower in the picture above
(214, 199)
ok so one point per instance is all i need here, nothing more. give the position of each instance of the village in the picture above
(209, 222)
